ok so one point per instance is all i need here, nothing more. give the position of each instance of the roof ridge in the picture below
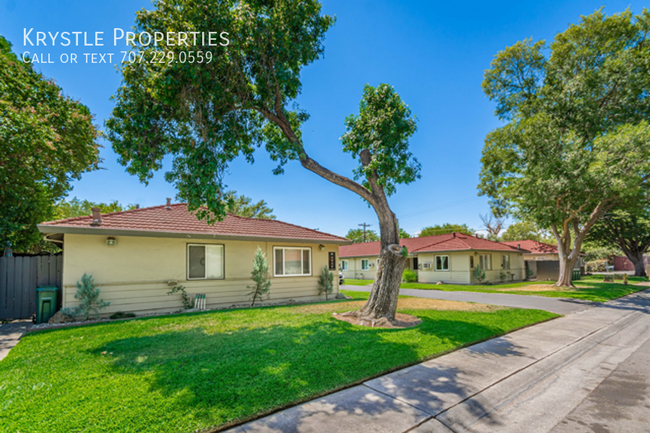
(434, 243)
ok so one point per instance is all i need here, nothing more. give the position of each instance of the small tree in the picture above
(326, 282)
(260, 277)
(89, 302)
(479, 274)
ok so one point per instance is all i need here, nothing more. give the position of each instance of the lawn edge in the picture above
(361, 381)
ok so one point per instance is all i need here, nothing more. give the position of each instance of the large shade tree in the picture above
(627, 229)
(576, 139)
(446, 228)
(206, 114)
(47, 139)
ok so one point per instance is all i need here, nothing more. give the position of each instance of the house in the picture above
(543, 259)
(136, 256)
(450, 258)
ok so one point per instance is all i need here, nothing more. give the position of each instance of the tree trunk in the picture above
(382, 302)
(565, 278)
(639, 264)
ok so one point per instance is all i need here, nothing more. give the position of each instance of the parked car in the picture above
(341, 278)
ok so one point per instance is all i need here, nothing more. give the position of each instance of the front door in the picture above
(415, 263)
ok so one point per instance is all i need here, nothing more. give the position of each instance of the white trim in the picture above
(284, 262)
(223, 261)
(435, 263)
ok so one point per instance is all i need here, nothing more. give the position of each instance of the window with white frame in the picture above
(442, 263)
(291, 261)
(344, 265)
(205, 262)
(506, 261)
(365, 264)
(485, 262)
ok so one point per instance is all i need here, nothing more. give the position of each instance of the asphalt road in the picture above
(554, 305)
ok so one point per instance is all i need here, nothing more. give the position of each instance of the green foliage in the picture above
(47, 140)
(89, 302)
(383, 127)
(529, 273)
(326, 282)
(577, 139)
(595, 253)
(242, 206)
(504, 276)
(260, 276)
(405, 252)
(479, 274)
(403, 234)
(121, 315)
(356, 236)
(446, 228)
(522, 230)
(185, 299)
(409, 276)
(76, 208)
(207, 125)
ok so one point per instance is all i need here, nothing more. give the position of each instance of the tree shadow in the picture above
(217, 379)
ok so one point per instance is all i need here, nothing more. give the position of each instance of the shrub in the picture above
(608, 277)
(88, 297)
(409, 276)
(325, 282)
(260, 277)
(503, 276)
(187, 301)
(479, 274)
(529, 274)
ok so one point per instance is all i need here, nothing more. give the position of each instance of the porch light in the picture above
(321, 247)
(111, 241)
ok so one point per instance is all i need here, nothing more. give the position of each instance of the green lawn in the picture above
(357, 282)
(590, 288)
(188, 372)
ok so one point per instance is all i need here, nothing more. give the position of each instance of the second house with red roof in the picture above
(450, 258)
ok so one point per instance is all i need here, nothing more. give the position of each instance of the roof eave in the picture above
(48, 229)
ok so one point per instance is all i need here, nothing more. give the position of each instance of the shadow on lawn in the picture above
(233, 376)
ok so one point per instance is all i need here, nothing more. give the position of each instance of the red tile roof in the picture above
(178, 219)
(448, 242)
(534, 247)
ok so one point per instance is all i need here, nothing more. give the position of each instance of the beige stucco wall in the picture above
(133, 274)
(457, 273)
(517, 267)
(354, 268)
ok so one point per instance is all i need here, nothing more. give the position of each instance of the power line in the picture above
(364, 225)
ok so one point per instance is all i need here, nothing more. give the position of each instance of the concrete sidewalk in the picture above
(535, 380)
(10, 335)
(554, 305)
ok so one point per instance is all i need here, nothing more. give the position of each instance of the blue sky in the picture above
(433, 53)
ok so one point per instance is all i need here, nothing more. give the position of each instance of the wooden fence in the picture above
(19, 278)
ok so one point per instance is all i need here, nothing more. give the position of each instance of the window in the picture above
(204, 262)
(471, 262)
(442, 263)
(291, 262)
(344, 265)
(506, 261)
(485, 262)
(364, 264)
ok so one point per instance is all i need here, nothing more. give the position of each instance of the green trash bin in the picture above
(45, 303)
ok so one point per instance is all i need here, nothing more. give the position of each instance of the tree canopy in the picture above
(76, 208)
(244, 206)
(446, 228)
(627, 230)
(522, 230)
(47, 139)
(576, 140)
(207, 113)
(356, 236)
(403, 234)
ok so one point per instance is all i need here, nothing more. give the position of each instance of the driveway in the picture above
(554, 305)
(10, 334)
(585, 372)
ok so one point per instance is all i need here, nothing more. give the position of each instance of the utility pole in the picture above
(364, 225)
